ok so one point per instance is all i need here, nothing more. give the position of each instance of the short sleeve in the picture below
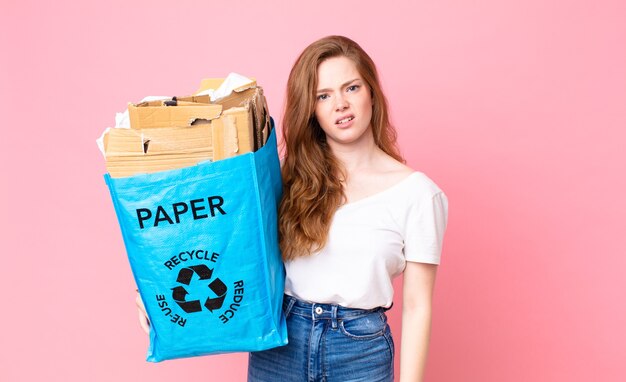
(426, 223)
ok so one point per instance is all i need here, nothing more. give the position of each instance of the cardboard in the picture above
(183, 131)
(132, 151)
(155, 114)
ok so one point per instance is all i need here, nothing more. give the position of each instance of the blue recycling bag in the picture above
(202, 242)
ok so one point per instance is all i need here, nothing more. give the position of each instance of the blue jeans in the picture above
(328, 343)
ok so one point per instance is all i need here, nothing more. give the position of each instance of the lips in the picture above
(344, 119)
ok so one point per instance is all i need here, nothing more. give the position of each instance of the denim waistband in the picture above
(315, 311)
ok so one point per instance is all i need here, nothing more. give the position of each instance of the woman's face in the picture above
(343, 105)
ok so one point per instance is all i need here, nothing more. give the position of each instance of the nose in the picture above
(340, 102)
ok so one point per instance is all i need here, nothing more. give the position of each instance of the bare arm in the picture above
(419, 282)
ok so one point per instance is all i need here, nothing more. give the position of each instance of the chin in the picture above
(348, 137)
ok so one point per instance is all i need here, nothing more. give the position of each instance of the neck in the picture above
(357, 155)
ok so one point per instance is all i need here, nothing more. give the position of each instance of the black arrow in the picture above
(203, 271)
(190, 306)
(214, 303)
(219, 288)
(185, 274)
(179, 293)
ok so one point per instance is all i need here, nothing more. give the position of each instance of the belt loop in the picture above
(290, 302)
(334, 316)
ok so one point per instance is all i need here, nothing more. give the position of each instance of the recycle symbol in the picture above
(179, 293)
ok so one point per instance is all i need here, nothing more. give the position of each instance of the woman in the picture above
(352, 217)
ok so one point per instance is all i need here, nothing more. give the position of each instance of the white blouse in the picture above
(368, 245)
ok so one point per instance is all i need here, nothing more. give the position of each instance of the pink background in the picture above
(515, 108)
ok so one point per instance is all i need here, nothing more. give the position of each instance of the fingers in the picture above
(143, 316)
(144, 323)
(139, 303)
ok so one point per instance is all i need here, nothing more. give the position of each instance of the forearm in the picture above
(416, 322)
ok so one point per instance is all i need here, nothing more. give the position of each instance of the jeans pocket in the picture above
(364, 327)
(389, 338)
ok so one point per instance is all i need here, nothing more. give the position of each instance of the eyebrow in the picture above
(342, 86)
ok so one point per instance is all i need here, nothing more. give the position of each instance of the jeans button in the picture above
(319, 310)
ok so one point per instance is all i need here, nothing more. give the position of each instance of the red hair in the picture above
(312, 176)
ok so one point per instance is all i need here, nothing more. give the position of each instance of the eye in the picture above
(353, 88)
(322, 97)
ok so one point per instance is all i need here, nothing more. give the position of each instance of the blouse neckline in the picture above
(379, 193)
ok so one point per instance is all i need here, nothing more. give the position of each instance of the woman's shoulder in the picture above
(424, 185)
(390, 170)
(417, 182)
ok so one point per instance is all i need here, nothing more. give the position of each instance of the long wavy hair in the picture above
(312, 176)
